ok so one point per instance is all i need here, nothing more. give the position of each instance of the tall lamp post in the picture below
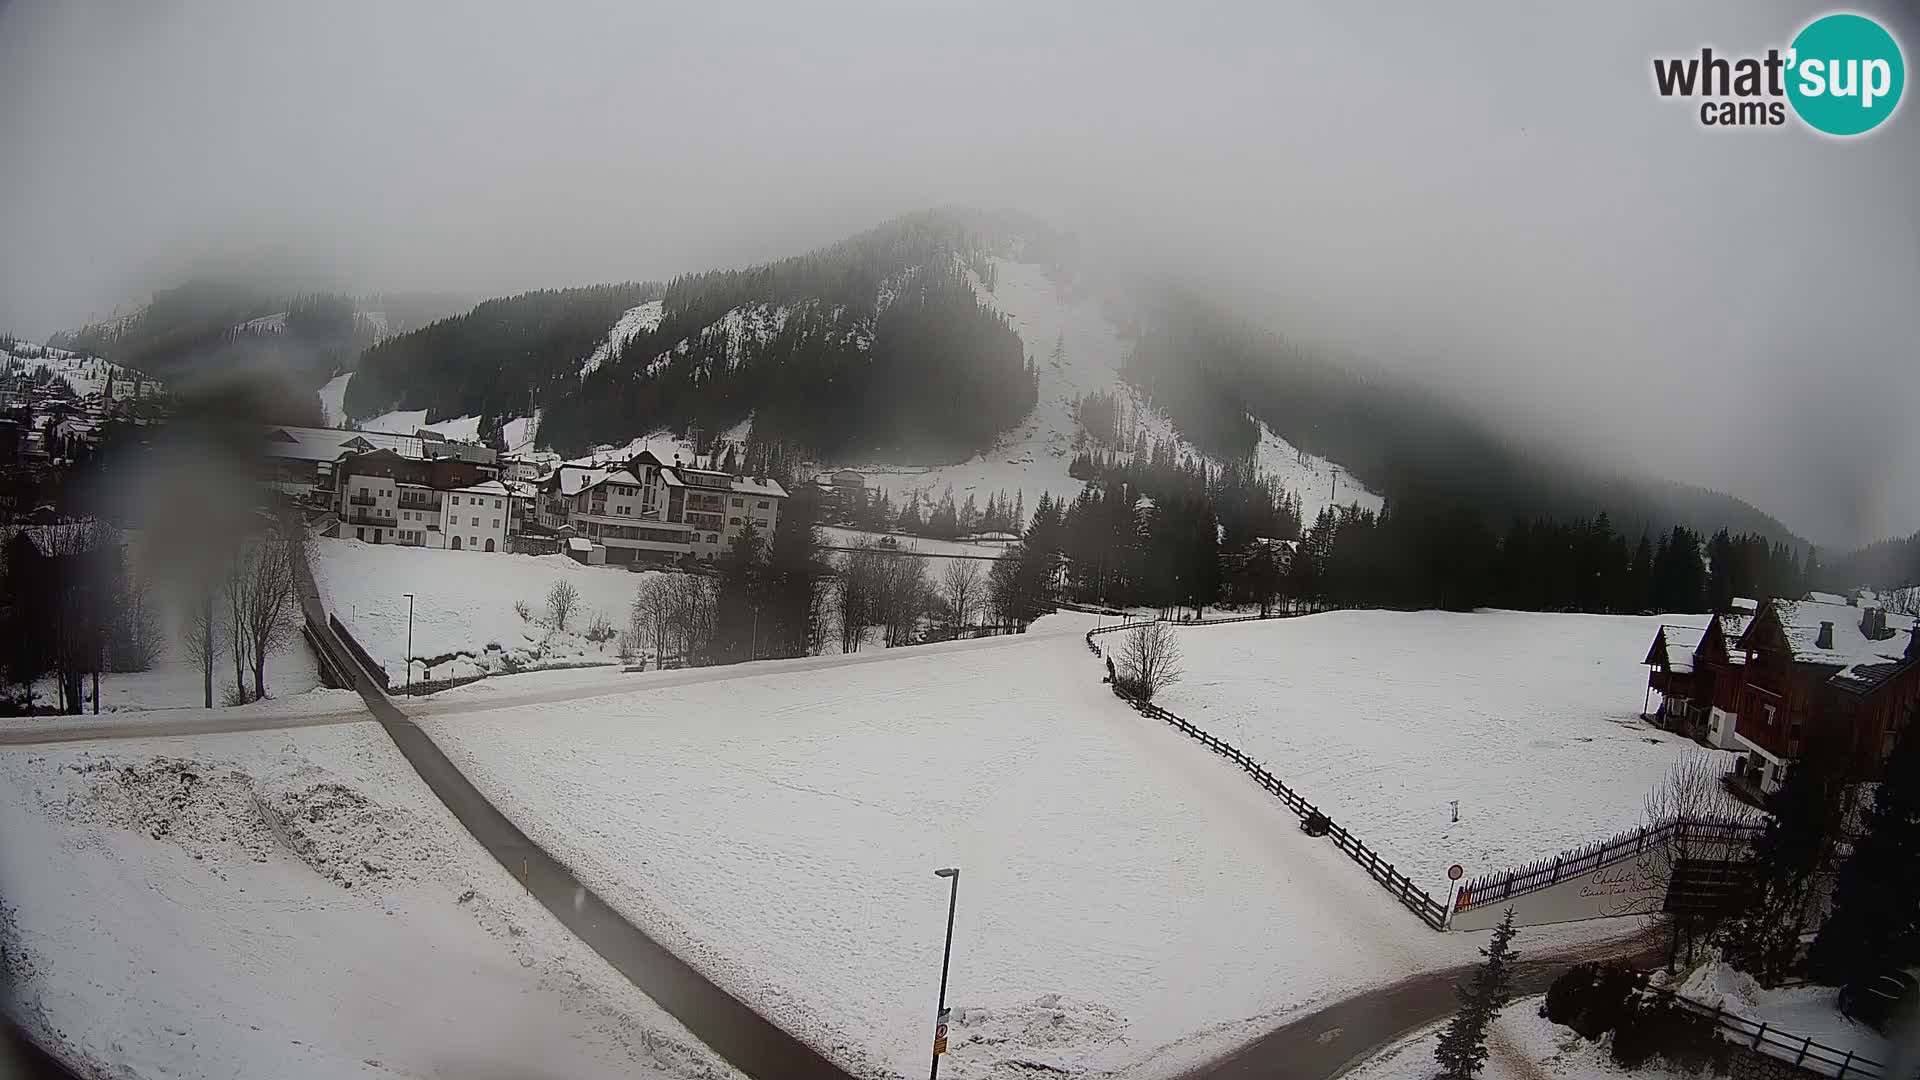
(409, 597)
(952, 873)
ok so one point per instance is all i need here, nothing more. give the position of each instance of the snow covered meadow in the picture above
(778, 825)
(1531, 721)
(292, 905)
(464, 619)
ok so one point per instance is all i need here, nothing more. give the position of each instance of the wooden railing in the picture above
(1431, 911)
(1801, 1051)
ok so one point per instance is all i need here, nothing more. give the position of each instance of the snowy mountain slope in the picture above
(86, 374)
(636, 320)
(1079, 350)
(333, 409)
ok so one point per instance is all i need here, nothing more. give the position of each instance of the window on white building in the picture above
(496, 523)
(456, 500)
(739, 502)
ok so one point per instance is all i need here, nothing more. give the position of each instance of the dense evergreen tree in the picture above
(1792, 853)
(1462, 1049)
(1875, 922)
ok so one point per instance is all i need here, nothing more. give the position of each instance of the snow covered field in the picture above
(292, 905)
(1383, 718)
(463, 615)
(778, 826)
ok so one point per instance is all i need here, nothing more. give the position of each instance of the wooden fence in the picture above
(1431, 911)
(1499, 887)
(1801, 1051)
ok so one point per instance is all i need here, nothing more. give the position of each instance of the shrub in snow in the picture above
(1149, 660)
(600, 631)
(562, 601)
(524, 610)
(1656, 1027)
(1591, 998)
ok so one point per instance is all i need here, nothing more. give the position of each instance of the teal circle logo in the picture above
(1845, 74)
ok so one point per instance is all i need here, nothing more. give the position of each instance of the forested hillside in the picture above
(493, 360)
(1215, 376)
(237, 341)
(875, 344)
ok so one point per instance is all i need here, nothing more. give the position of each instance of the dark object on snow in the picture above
(1109, 669)
(1315, 824)
(1592, 998)
(1882, 999)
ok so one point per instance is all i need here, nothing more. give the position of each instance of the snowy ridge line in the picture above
(1413, 897)
(1801, 1051)
(1544, 872)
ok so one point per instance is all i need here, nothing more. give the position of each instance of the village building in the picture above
(1766, 680)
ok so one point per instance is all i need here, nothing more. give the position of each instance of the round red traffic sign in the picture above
(1455, 872)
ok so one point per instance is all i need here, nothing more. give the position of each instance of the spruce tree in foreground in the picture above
(1795, 849)
(1876, 911)
(1463, 1047)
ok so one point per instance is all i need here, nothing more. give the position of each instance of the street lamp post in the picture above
(952, 873)
(409, 597)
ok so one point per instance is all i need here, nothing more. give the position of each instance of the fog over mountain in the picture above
(1493, 201)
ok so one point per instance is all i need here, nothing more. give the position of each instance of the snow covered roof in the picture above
(1801, 621)
(575, 479)
(1673, 646)
(759, 485)
(327, 444)
(1746, 604)
(485, 487)
(579, 543)
(1731, 629)
(1826, 598)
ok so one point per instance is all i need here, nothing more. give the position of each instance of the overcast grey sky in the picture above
(1488, 196)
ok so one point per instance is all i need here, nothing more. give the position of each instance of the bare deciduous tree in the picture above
(1903, 601)
(267, 618)
(562, 601)
(1693, 792)
(858, 593)
(650, 621)
(962, 582)
(1149, 660)
(600, 630)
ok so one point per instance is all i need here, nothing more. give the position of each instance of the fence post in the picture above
(1843, 1066)
(1760, 1036)
(1802, 1055)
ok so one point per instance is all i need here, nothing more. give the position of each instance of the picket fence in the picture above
(1499, 887)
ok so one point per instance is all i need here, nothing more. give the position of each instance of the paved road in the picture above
(1332, 1040)
(749, 1041)
(165, 723)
